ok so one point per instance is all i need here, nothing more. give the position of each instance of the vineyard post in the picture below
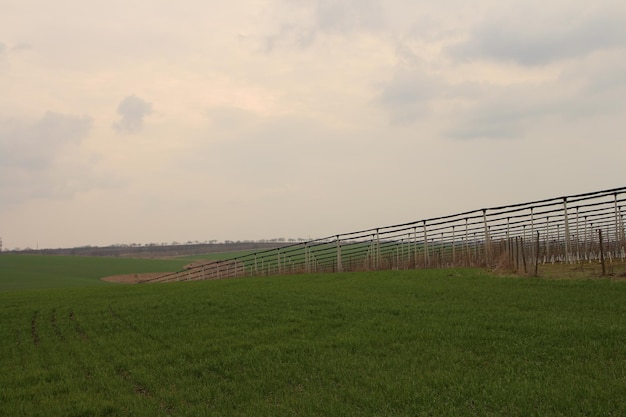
(577, 237)
(601, 252)
(508, 237)
(378, 263)
(585, 238)
(522, 244)
(537, 256)
(467, 250)
(487, 260)
(566, 231)
(617, 231)
(339, 265)
(547, 239)
(256, 269)
(532, 224)
(453, 248)
(426, 257)
(415, 247)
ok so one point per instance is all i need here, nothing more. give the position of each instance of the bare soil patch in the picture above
(134, 278)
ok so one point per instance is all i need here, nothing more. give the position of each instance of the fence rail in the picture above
(576, 228)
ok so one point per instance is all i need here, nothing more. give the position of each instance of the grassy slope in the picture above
(18, 272)
(404, 343)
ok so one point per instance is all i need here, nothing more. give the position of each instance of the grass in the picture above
(20, 272)
(396, 343)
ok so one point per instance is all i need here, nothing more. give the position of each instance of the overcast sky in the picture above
(160, 121)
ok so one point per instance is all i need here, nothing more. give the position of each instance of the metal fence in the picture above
(578, 228)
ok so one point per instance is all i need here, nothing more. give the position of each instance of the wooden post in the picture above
(537, 256)
(617, 232)
(508, 237)
(339, 265)
(415, 247)
(547, 238)
(566, 231)
(467, 250)
(453, 248)
(377, 250)
(523, 254)
(426, 257)
(487, 260)
(601, 252)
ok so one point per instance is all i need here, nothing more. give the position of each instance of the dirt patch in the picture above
(134, 278)
(199, 263)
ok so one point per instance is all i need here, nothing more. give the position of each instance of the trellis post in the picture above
(487, 260)
(426, 256)
(339, 265)
(566, 231)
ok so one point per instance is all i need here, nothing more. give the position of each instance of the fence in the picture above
(585, 227)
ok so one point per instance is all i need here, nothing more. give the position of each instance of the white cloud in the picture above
(132, 111)
(530, 35)
(42, 159)
(344, 16)
(299, 117)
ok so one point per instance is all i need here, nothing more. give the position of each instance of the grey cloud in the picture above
(3, 55)
(409, 93)
(348, 15)
(33, 157)
(290, 35)
(308, 19)
(531, 40)
(21, 47)
(132, 111)
(407, 97)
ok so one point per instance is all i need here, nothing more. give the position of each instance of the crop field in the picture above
(21, 272)
(448, 342)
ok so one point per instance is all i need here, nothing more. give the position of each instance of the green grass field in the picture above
(395, 343)
(21, 272)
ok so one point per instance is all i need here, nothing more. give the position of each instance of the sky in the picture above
(157, 121)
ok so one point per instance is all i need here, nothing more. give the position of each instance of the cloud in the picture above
(348, 15)
(21, 47)
(530, 37)
(43, 159)
(132, 110)
(3, 55)
(301, 23)
(408, 95)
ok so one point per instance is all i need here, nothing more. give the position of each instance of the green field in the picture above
(396, 343)
(20, 272)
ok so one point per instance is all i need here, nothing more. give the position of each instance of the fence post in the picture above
(617, 231)
(537, 256)
(453, 248)
(426, 256)
(415, 247)
(548, 239)
(577, 237)
(566, 231)
(467, 249)
(601, 252)
(487, 260)
(339, 265)
(508, 237)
